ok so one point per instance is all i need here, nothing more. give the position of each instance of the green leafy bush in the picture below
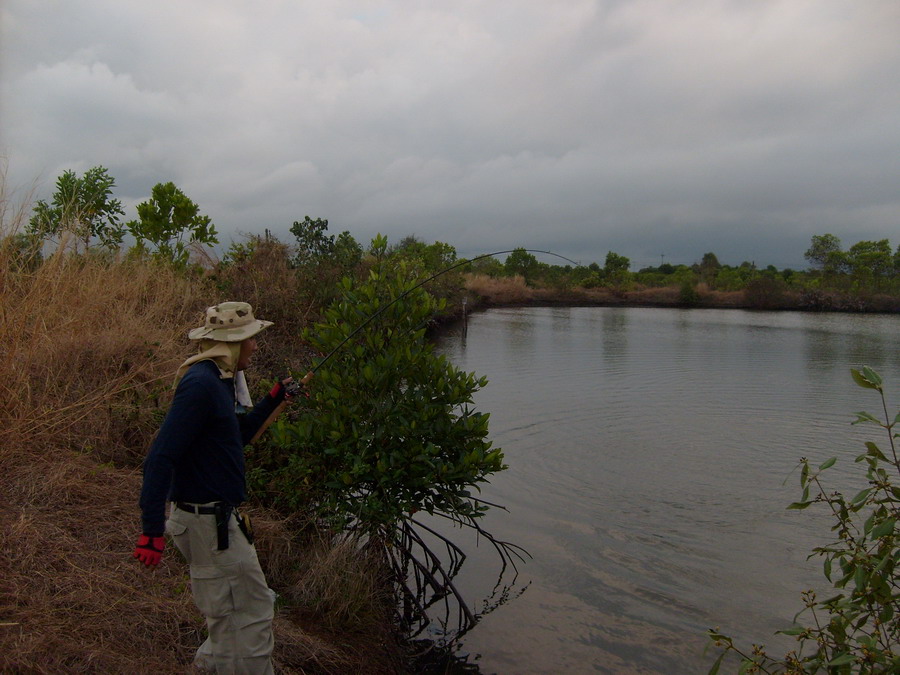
(391, 428)
(83, 207)
(168, 223)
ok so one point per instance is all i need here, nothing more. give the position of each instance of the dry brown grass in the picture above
(89, 348)
(72, 599)
(514, 291)
(87, 344)
(331, 586)
(499, 290)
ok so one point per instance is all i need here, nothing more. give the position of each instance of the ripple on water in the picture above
(651, 455)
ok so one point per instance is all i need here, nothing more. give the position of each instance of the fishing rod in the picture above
(295, 387)
(419, 285)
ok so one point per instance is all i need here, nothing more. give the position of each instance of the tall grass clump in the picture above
(90, 346)
(499, 290)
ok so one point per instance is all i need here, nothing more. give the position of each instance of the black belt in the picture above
(222, 512)
(193, 508)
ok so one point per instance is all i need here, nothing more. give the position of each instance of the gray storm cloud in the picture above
(644, 126)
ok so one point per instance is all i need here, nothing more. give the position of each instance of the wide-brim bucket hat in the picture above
(229, 322)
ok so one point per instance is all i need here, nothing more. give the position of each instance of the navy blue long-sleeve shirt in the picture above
(198, 455)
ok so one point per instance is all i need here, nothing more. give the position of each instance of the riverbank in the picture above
(483, 292)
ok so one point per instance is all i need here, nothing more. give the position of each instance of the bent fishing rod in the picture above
(295, 387)
(419, 285)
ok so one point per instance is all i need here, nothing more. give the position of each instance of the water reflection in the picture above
(518, 333)
(856, 338)
(561, 318)
(615, 327)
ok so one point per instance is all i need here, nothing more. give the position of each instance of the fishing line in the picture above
(461, 263)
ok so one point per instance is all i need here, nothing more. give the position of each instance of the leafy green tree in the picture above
(616, 264)
(424, 260)
(169, 222)
(871, 262)
(856, 630)
(710, 261)
(489, 266)
(709, 268)
(321, 260)
(82, 206)
(615, 269)
(730, 279)
(314, 245)
(523, 264)
(821, 246)
(348, 252)
(825, 253)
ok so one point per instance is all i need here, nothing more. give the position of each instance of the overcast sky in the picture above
(648, 127)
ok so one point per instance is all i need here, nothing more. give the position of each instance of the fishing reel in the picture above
(295, 387)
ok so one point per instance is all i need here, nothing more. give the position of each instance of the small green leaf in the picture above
(861, 496)
(871, 376)
(863, 416)
(842, 660)
(715, 666)
(875, 451)
(827, 464)
(861, 380)
(883, 528)
(799, 506)
(870, 521)
(796, 630)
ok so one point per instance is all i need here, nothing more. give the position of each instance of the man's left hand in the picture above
(149, 550)
(281, 390)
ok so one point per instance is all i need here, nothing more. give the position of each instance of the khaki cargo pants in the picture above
(230, 590)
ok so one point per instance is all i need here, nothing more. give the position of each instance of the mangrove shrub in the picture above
(391, 428)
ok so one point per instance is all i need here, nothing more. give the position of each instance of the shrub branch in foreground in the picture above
(856, 630)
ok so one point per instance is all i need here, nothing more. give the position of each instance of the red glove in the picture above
(276, 391)
(287, 389)
(149, 550)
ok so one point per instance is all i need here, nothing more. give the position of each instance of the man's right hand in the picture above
(149, 550)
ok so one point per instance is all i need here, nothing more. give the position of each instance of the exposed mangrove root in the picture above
(424, 576)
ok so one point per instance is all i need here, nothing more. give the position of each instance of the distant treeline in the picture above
(169, 227)
(867, 267)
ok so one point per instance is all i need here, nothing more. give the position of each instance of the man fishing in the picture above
(197, 463)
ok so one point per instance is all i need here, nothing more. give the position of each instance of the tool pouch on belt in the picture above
(223, 514)
(243, 522)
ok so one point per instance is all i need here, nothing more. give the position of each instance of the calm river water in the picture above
(648, 451)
